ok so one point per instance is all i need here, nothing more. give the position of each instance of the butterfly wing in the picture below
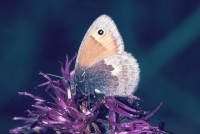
(101, 40)
(127, 72)
(117, 75)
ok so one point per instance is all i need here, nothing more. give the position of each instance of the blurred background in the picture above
(163, 35)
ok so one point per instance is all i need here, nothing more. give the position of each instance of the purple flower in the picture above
(70, 112)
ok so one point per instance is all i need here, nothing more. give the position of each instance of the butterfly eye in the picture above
(100, 32)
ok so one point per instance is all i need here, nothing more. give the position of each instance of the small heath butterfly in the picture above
(102, 65)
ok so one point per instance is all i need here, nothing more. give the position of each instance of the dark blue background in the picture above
(163, 35)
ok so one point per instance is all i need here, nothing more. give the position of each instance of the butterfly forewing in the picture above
(94, 50)
(95, 46)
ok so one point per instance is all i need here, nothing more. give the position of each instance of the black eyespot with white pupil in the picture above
(100, 32)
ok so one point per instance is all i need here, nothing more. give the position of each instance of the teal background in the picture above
(164, 35)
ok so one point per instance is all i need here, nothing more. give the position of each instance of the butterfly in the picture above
(102, 64)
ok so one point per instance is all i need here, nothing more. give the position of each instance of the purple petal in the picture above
(153, 112)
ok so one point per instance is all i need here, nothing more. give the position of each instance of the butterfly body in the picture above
(102, 64)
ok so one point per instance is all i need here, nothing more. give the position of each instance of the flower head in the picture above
(71, 112)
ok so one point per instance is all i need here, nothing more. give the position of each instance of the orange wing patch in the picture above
(95, 48)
